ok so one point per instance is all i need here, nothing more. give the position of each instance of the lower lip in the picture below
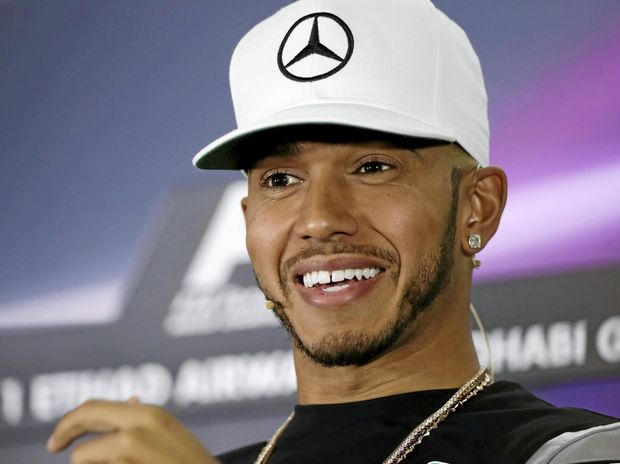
(324, 298)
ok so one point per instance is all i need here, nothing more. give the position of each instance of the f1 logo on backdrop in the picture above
(209, 299)
(223, 245)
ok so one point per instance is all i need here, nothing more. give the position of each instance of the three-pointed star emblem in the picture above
(314, 46)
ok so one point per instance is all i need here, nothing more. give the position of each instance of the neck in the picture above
(437, 352)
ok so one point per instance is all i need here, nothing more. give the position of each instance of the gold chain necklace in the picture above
(471, 388)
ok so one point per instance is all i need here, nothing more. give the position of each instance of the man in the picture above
(364, 136)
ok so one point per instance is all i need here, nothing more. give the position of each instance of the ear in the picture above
(244, 206)
(486, 200)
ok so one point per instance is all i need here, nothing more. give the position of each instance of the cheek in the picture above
(409, 221)
(265, 240)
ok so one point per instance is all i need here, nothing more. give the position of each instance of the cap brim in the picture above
(224, 152)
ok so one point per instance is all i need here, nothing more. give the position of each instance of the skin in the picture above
(403, 209)
(127, 433)
(365, 201)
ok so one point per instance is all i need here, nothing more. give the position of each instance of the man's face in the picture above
(373, 223)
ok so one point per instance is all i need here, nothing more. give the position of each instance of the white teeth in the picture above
(310, 279)
(335, 288)
(324, 277)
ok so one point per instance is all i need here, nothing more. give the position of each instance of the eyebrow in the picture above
(267, 149)
(261, 151)
(285, 149)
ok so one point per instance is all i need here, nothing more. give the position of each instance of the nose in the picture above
(326, 212)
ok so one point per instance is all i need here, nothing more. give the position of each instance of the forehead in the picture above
(303, 146)
(292, 140)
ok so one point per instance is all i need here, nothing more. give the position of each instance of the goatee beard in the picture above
(351, 348)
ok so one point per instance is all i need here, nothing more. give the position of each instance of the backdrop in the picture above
(106, 229)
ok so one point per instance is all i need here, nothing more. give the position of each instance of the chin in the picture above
(350, 348)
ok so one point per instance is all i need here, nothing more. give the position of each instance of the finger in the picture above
(126, 446)
(92, 416)
(113, 447)
(93, 451)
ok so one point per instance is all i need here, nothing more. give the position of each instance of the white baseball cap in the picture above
(394, 66)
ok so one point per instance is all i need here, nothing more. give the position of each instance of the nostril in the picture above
(325, 223)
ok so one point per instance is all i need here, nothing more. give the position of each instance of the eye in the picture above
(279, 180)
(374, 167)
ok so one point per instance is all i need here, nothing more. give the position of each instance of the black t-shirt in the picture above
(502, 424)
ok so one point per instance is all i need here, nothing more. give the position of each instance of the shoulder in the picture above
(518, 407)
(245, 455)
(593, 445)
(526, 426)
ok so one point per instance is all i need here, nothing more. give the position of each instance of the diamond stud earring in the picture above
(475, 241)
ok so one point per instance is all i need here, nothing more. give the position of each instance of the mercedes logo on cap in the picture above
(323, 38)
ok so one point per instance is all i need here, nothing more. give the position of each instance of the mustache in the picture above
(335, 249)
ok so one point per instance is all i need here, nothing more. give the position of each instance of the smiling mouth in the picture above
(338, 278)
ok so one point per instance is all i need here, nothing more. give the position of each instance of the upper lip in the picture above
(333, 263)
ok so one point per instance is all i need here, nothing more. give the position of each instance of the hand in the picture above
(129, 432)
